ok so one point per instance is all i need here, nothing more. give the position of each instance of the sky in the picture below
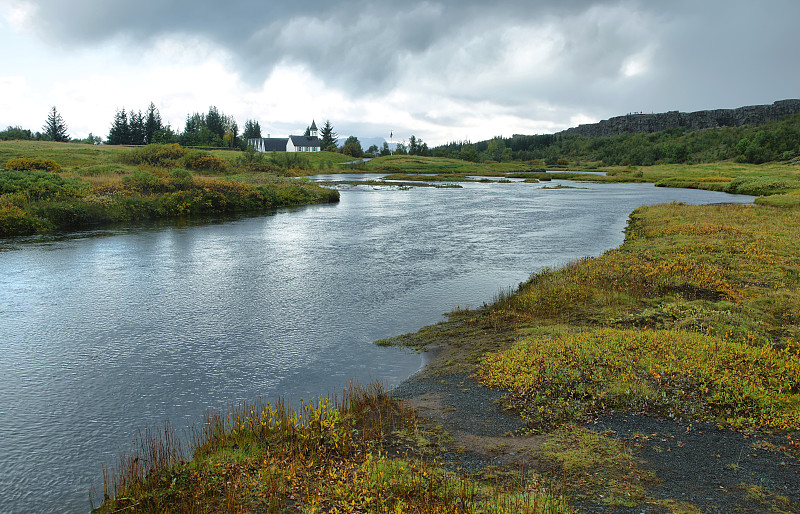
(449, 70)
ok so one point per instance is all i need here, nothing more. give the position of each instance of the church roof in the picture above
(273, 144)
(313, 125)
(307, 141)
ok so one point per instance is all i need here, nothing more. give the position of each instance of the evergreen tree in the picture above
(55, 128)
(327, 136)
(120, 133)
(152, 124)
(215, 122)
(137, 128)
(252, 130)
(193, 130)
(385, 150)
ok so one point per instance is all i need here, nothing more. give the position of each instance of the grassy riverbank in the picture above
(49, 187)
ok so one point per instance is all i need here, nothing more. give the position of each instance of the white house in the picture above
(308, 143)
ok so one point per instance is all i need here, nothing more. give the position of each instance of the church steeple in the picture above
(313, 130)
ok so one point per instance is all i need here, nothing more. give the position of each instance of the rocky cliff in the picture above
(636, 123)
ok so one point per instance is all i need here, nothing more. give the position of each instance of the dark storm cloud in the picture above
(355, 42)
(534, 58)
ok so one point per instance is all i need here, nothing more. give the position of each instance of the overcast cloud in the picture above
(441, 70)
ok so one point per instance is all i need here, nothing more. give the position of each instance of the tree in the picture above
(385, 150)
(55, 128)
(469, 153)
(138, 131)
(373, 150)
(15, 133)
(400, 149)
(215, 122)
(352, 147)
(231, 138)
(152, 124)
(252, 130)
(327, 135)
(120, 133)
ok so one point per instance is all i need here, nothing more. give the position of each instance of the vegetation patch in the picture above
(596, 467)
(351, 455)
(27, 164)
(674, 374)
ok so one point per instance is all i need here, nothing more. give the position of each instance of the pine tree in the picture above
(152, 124)
(252, 130)
(55, 128)
(215, 122)
(327, 136)
(138, 131)
(120, 133)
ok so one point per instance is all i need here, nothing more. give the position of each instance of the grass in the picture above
(362, 453)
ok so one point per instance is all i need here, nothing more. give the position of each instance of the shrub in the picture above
(26, 164)
(16, 222)
(38, 185)
(203, 161)
(762, 186)
(165, 156)
(144, 181)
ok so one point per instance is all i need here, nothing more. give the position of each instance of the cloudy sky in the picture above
(441, 70)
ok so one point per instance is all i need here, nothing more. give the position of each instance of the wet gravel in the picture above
(717, 471)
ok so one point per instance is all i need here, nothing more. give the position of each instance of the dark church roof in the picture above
(274, 144)
(307, 141)
(313, 125)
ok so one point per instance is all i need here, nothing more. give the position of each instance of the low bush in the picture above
(165, 156)
(203, 161)
(762, 186)
(26, 164)
(666, 373)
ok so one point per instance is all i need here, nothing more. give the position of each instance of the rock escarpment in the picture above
(646, 123)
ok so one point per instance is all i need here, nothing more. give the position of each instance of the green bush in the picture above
(16, 222)
(762, 186)
(203, 161)
(164, 156)
(37, 185)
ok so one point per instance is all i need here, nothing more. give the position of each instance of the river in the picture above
(104, 333)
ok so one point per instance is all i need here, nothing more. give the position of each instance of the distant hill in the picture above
(635, 123)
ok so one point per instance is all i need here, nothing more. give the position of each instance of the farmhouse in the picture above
(309, 143)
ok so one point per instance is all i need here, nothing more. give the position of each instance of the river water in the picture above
(105, 333)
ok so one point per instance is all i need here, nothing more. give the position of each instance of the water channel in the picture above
(105, 333)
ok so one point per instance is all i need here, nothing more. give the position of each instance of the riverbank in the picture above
(56, 187)
(717, 433)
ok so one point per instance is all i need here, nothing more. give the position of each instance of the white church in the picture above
(308, 143)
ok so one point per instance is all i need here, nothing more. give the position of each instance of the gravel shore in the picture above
(696, 464)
